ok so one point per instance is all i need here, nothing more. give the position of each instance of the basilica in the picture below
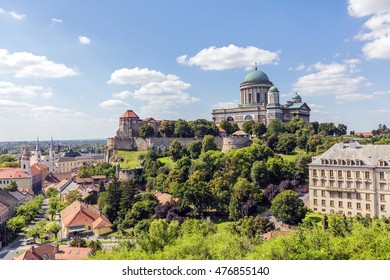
(259, 101)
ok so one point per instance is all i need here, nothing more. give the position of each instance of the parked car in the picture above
(29, 241)
(305, 190)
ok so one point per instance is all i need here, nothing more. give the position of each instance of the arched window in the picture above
(230, 119)
(248, 118)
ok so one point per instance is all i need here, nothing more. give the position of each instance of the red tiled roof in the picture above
(35, 170)
(43, 252)
(97, 177)
(28, 256)
(129, 114)
(72, 253)
(101, 222)
(164, 197)
(221, 130)
(363, 132)
(11, 173)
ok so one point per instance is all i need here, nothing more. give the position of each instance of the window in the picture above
(382, 197)
(315, 172)
(349, 184)
(349, 174)
(359, 206)
(332, 194)
(315, 193)
(368, 197)
(368, 206)
(367, 184)
(382, 175)
(381, 186)
(340, 184)
(331, 173)
(323, 183)
(358, 196)
(349, 205)
(322, 172)
(323, 193)
(331, 184)
(349, 195)
(323, 202)
(230, 119)
(357, 174)
(340, 195)
(315, 201)
(358, 185)
(340, 204)
(331, 203)
(366, 175)
(340, 174)
(383, 208)
(315, 183)
(349, 213)
(248, 118)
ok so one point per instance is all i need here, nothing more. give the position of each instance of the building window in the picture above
(368, 197)
(340, 174)
(349, 213)
(381, 186)
(383, 208)
(315, 201)
(340, 204)
(359, 206)
(323, 202)
(382, 175)
(366, 175)
(323, 173)
(315, 193)
(340, 195)
(315, 183)
(349, 205)
(331, 184)
(367, 184)
(368, 207)
(382, 197)
(348, 174)
(315, 172)
(358, 185)
(340, 184)
(331, 174)
(331, 203)
(358, 196)
(332, 194)
(349, 195)
(322, 183)
(349, 184)
(323, 193)
(357, 174)
(248, 118)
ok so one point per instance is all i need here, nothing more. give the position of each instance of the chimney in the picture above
(32, 249)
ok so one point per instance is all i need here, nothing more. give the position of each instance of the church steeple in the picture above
(25, 161)
(37, 153)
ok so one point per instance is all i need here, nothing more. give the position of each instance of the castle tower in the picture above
(25, 161)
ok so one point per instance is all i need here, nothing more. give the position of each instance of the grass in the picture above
(129, 159)
(292, 158)
(222, 227)
(316, 217)
(167, 161)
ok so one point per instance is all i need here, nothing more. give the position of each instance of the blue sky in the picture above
(69, 69)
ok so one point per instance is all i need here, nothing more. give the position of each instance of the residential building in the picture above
(51, 251)
(71, 164)
(352, 179)
(81, 217)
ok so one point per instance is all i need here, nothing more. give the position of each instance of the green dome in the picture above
(296, 96)
(256, 76)
(273, 89)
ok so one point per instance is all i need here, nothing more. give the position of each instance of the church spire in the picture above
(37, 146)
(51, 144)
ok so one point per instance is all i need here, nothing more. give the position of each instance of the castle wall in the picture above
(235, 143)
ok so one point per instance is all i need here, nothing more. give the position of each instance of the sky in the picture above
(69, 69)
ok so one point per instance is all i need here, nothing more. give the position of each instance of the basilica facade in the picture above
(259, 101)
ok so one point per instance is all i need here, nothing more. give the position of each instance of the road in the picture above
(19, 244)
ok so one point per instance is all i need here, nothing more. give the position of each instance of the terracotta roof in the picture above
(221, 130)
(43, 252)
(164, 197)
(83, 180)
(129, 114)
(363, 132)
(72, 253)
(40, 166)
(101, 222)
(98, 177)
(11, 173)
(35, 170)
(78, 214)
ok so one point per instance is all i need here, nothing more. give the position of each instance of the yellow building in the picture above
(352, 179)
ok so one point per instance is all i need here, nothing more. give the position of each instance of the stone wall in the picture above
(235, 143)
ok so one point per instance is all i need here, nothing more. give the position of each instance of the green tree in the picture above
(259, 129)
(95, 246)
(53, 228)
(175, 150)
(327, 127)
(128, 192)
(52, 192)
(195, 148)
(12, 186)
(247, 126)
(288, 207)
(182, 129)
(259, 173)
(227, 126)
(112, 207)
(78, 242)
(276, 127)
(167, 128)
(208, 143)
(15, 224)
(286, 143)
(72, 196)
(202, 127)
(146, 131)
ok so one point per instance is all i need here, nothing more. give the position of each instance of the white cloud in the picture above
(56, 20)
(161, 92)
(17, 16)
(229, 57)
(376, 30)
(379, 111)
(338, 79)
(2, 11)
(135, 76)
(47, 94)
(13, 106)
(122, 95)
(354, 97)
(227, 104)
(10, 90)
(300, 67)
(84, 40)
(113, 104)
(24, 65)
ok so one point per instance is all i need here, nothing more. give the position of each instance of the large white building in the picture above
(352, 179)
(49, 160)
